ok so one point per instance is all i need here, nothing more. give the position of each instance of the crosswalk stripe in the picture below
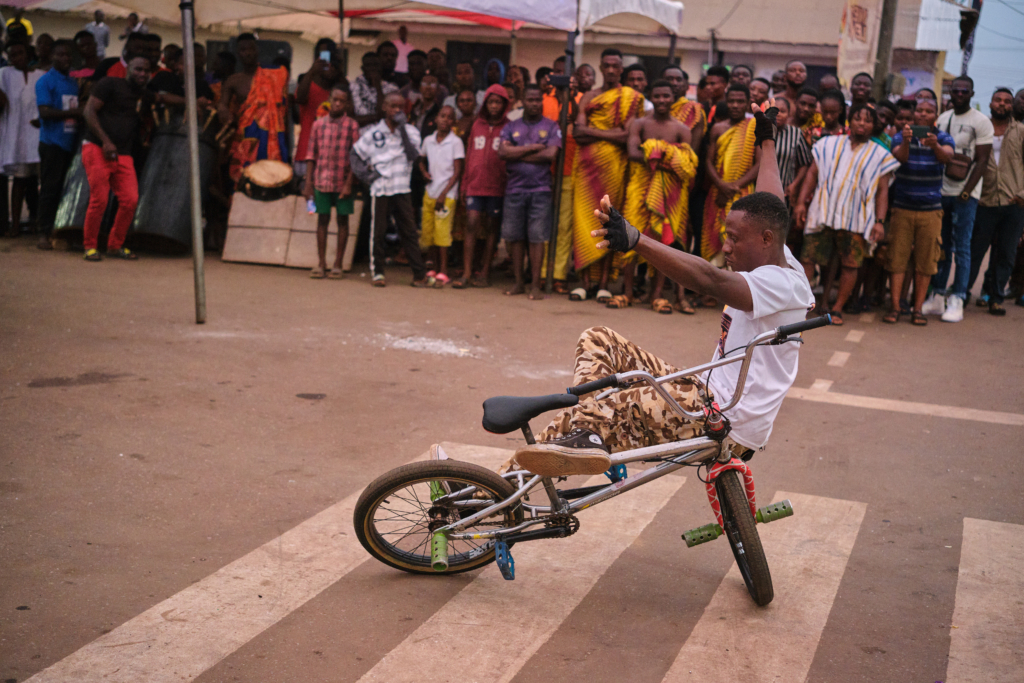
(183, 636)
(839, 359)
(987, 643)
(492, 627)
(807, 553)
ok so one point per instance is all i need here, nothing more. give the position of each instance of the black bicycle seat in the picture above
(504, 414)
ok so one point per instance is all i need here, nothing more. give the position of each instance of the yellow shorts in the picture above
(437, 226)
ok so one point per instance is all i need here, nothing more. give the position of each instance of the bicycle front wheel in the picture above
(741, 530)
(394, 514)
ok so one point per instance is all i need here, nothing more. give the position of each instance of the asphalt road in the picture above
(147, 462)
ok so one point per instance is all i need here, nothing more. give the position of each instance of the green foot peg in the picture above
(708, 532)
(770, 513)
(439, 552)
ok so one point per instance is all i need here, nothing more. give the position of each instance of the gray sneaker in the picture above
(581, 451)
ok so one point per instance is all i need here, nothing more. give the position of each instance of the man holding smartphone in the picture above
(916, 222)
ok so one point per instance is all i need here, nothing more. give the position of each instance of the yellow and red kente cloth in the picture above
(261, 122)
(815, 122)
(690, 114)
(657, 198)
(734, 157)
(600, 169)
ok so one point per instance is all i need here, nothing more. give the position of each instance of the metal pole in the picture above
(883, 57)
(563, 124)
(192, 117)
(672, 50)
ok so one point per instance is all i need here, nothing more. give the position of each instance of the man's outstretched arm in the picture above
(768, 177)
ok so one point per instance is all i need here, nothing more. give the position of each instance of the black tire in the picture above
(409, 486)
(741, 530)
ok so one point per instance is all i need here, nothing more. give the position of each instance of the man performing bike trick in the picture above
(765, 288)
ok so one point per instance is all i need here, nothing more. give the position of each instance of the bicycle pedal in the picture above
(770, 513)
(506, 564)
(704, 534)
(617, 473)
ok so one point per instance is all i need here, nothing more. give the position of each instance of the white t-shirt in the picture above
(385, 152)
(441, 158)
(781, 296)
(970, 129)
(997, 147)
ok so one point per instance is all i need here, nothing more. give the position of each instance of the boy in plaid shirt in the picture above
(329, 177)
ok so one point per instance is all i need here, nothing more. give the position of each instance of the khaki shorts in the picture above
(918, 233)
(819, 247)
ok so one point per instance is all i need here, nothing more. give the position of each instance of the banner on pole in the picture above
(858, 39)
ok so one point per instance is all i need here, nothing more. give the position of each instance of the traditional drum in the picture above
(267, 180)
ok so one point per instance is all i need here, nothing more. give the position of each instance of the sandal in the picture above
(560, 287)
(335, 274)
(620, 301)
(317, 273)
(123, 253)
(459, 284)
(480, 282)
(996, 308)
(892, 317)
(603, 296)
(684, 306)
(918, 318)
(578, 294)
(837, 318)
(378, 281)
(661, 306)
(440, 280)
(93, 255)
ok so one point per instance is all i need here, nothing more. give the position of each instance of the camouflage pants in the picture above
(628, 419)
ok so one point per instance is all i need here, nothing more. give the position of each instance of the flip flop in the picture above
(620, 301)
(317, 273)
(684, 307)
(335, 274)
(891, 318)
(560, 287)
(578, 294)
(459, 284)
(661, 306)
(603, 296)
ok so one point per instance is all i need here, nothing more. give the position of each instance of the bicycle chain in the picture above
(569, 521)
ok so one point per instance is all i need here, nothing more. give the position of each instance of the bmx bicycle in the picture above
(443, 516)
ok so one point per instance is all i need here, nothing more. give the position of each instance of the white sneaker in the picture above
(934, 305)
(954, 310)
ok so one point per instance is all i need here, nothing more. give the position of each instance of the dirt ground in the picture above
(141, 452)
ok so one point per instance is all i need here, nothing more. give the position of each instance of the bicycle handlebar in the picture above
(796, 328)
(596, 385)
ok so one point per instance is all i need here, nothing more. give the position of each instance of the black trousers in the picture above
(999, 227)
(54, 161)
(399, 206)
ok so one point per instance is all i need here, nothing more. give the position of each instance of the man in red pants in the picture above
(113, 120)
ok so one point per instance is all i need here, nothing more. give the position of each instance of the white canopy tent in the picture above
(573, 16)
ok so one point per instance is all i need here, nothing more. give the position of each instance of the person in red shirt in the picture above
(313, 91)
(484, 185)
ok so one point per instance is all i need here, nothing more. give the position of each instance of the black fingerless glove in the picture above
(764, 125)
(621, 235)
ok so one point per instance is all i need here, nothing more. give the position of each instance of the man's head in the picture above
(151, 48)
(926, 112)
(806, 105)
(436, 59)
(324, 45)
(388, 54)
(759, 90)
(741, 74)
(558, 66)
(17, 55)
(465, 77)
(663, 95)
(394, 104)
(833, 108)
(635, 77)
(1001, 105)
(755, 231)
(339, 102)
(44, 47)
(886, 111)
(828, 82)
(248, 51)
(926, 94)
(224, 65)
(62, 51)
(863, 120)
(533, 102)
(586, 78)
(779, 81)
(134, 45)
(133, 20)
(717, 79)
(541, 76)
(677, 78)
(961, 90)
(200, 57)
(445, 119)
(785, 109)
(860, 87)
(172, 56)
(403, 34)
(98, 16)
(138, 71)
(370, 65)
(495, 106)
(611, 67)
(85, 43)
(428, 87)
(417, 61)
(515, 77)
(737, 99)
(702, 91)
(904, 113)
(495, 72)
(1018, 105)
(466, 102)
(796, 74)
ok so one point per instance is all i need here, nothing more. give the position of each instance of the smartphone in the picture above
(920, 132)
(325, 55)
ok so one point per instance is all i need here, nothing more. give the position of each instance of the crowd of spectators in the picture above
(909, 193)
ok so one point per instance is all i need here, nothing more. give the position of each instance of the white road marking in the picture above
(894, 406)
(492, 627)
(854, 336)
(821, 385)
(867, 317)
(987, 645)
(183, 636)
(839, 359)
(737, 641)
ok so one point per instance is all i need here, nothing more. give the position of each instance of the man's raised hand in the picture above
(764, 121)
(618, 233)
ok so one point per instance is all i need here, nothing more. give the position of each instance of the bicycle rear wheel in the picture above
(393, 516)
(741, 530)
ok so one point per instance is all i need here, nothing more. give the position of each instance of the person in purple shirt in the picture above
(528, 146)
